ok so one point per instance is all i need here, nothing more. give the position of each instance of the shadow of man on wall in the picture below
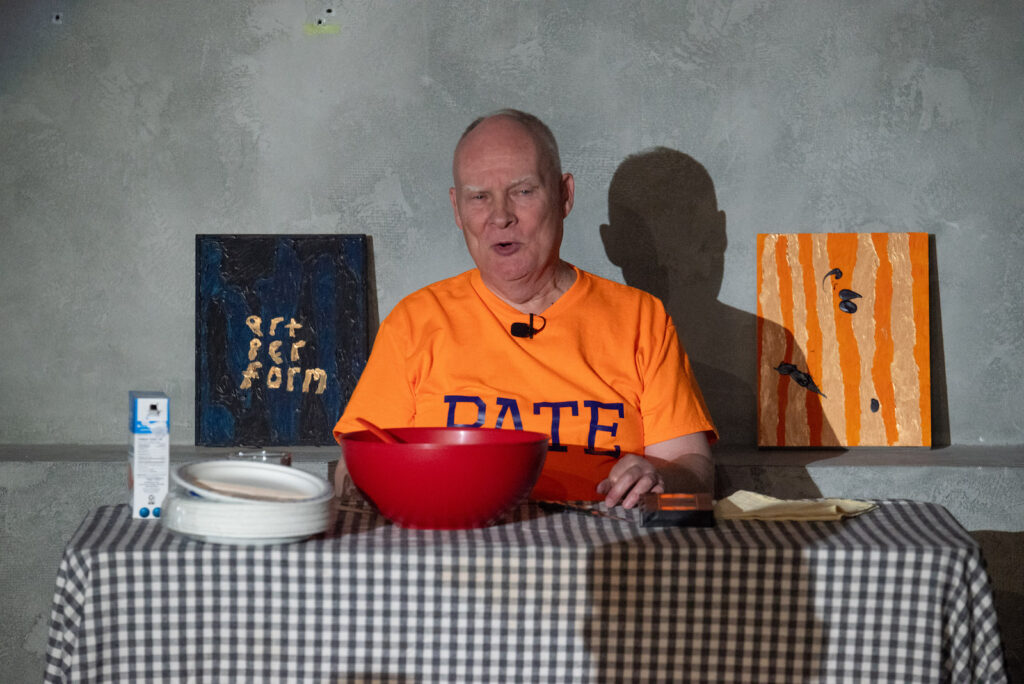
(667, 234)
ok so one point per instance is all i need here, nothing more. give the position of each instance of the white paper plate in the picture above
(240, 541)
(232, 480)
(244, 523)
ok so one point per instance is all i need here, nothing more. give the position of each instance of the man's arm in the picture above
(681, 464)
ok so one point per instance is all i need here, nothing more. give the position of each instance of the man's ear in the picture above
(455, 207)
(568, 193)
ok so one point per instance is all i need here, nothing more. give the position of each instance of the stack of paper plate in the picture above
(244, 502)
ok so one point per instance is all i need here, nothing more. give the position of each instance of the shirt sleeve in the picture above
(383, 394)
(671, 403)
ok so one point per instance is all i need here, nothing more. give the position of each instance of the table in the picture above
(898, 594)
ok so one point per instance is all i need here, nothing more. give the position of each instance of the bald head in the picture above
(542, 137)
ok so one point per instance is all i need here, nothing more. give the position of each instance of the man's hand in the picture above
(682, 464)
(630, 478)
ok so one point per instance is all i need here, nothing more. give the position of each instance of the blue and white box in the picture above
(149, 455)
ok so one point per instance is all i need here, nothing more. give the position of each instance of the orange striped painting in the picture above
(842, 340)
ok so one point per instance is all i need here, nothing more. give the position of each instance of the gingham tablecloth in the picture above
(895, 595)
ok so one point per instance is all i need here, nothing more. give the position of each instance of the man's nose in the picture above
(502, 213)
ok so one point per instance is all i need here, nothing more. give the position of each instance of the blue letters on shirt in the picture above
(556, 417)
(594, 407)
(454, 399)
(509, 407)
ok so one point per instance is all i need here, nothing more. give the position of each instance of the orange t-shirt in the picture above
(605, 376)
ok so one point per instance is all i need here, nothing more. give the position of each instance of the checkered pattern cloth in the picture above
(899, 594)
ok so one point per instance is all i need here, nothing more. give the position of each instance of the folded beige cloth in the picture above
(744, 505)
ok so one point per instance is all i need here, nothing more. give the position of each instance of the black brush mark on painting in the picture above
(837, 272)
(846, 303)
(801, 378)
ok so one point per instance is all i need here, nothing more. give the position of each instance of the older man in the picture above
(528, 341)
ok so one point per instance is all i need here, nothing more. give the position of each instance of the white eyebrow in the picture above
(524, 179)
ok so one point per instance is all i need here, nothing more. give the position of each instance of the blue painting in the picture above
(281, 336)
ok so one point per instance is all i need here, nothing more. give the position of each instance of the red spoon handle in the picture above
(382, 434)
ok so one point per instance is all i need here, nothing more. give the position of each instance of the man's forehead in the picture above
(529, 179)
(509, 167)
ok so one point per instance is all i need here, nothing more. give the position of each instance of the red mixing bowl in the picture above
(445, 478)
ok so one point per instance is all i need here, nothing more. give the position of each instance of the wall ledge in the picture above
(956, 456)
(180, 453)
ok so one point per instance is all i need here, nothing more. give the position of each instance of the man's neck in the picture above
(535, 295)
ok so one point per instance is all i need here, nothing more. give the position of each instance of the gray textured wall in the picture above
(130, 126)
